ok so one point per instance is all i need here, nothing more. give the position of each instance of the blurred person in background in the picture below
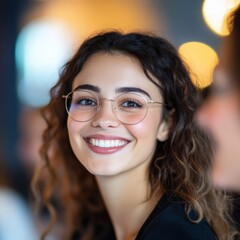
(122, 153)
(16, 219)
(220, 113)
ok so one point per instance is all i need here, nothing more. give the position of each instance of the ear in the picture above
(165, 126)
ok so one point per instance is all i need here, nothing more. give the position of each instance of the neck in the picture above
(126, 197)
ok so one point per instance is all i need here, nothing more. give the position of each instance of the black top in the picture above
(169, 221)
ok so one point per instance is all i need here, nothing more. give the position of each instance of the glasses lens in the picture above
(131, 108)
(81, 105)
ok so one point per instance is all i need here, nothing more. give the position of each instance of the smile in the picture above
(107, 143)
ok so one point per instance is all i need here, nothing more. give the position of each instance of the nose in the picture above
(105, 116)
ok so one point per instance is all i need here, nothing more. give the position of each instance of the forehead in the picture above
(109, 71)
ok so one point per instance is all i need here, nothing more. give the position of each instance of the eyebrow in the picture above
(131, 89)
(118, 90)
(88, 87)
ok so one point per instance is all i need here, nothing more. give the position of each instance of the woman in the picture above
(220, 114)
(144, 171)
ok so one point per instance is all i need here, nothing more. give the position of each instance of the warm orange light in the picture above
(201, 60)
(90, 16)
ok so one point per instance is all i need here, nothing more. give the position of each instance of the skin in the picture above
(121, 173)
(220, 116)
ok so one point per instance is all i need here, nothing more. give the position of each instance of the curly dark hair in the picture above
(181, 165)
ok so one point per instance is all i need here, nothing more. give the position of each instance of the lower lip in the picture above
(100, 150)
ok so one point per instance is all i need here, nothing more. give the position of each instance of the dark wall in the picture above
(185, 22)
(10, 10)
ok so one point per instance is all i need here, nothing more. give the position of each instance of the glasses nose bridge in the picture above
(100, 105)
(105, 116)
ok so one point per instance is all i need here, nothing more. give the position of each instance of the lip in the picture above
(106, 144)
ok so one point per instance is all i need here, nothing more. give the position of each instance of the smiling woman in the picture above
(122, 154)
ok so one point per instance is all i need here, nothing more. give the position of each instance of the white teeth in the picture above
(107, 143)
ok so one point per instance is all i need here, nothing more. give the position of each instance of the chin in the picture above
(103, 171)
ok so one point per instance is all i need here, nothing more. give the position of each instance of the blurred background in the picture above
(38, 36)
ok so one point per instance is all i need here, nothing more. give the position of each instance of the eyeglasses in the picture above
(129, 108)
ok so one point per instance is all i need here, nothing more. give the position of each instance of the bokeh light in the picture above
(215, 14)
(88, 17)
(42, 47)
(201, 60)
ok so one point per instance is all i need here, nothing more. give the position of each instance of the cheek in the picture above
(74, 129)
(138, 131)
(75, 138)
(147, 129)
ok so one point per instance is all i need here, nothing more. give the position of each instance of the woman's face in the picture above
(220, 116)
(104, 145)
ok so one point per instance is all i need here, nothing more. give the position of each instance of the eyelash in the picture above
(79, 101)
(136, 103)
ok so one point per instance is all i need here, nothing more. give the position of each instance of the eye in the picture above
(83, 101)
(86, 102)
(131, 103)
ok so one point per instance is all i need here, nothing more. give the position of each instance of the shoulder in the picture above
(169, 221)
